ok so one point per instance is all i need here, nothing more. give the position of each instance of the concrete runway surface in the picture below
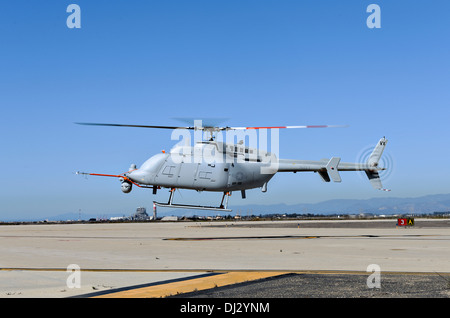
(162, 259)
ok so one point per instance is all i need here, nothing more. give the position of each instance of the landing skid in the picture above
(186, 206)
(169, 204)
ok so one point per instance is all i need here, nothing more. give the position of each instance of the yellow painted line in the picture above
(191, 285)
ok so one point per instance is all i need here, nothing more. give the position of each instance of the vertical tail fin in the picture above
(374, 179)
(373, 161)
(377, 152)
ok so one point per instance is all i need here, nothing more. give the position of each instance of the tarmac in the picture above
(225, 259)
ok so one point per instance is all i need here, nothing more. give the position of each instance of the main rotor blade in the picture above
(138, 126)
(214, 128)
(281, 127)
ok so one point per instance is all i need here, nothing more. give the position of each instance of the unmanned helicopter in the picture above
(225, 167)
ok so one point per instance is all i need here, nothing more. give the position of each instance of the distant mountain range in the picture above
(387, 206)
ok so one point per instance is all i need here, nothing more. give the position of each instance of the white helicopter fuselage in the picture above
(207, 166)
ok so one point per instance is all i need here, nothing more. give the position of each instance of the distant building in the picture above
(117, 218)
(140, 215)
(169, 218)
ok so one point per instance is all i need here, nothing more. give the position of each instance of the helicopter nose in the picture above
(136, 176)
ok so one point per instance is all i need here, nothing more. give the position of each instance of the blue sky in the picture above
(257, 63)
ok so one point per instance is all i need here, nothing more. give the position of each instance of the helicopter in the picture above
(225, 167)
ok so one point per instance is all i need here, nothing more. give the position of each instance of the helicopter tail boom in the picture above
(328, 169)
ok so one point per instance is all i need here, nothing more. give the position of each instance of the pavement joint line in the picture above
(262, 237)
(205, 270)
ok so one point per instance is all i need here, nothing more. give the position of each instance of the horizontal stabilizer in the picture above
(332, 169)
